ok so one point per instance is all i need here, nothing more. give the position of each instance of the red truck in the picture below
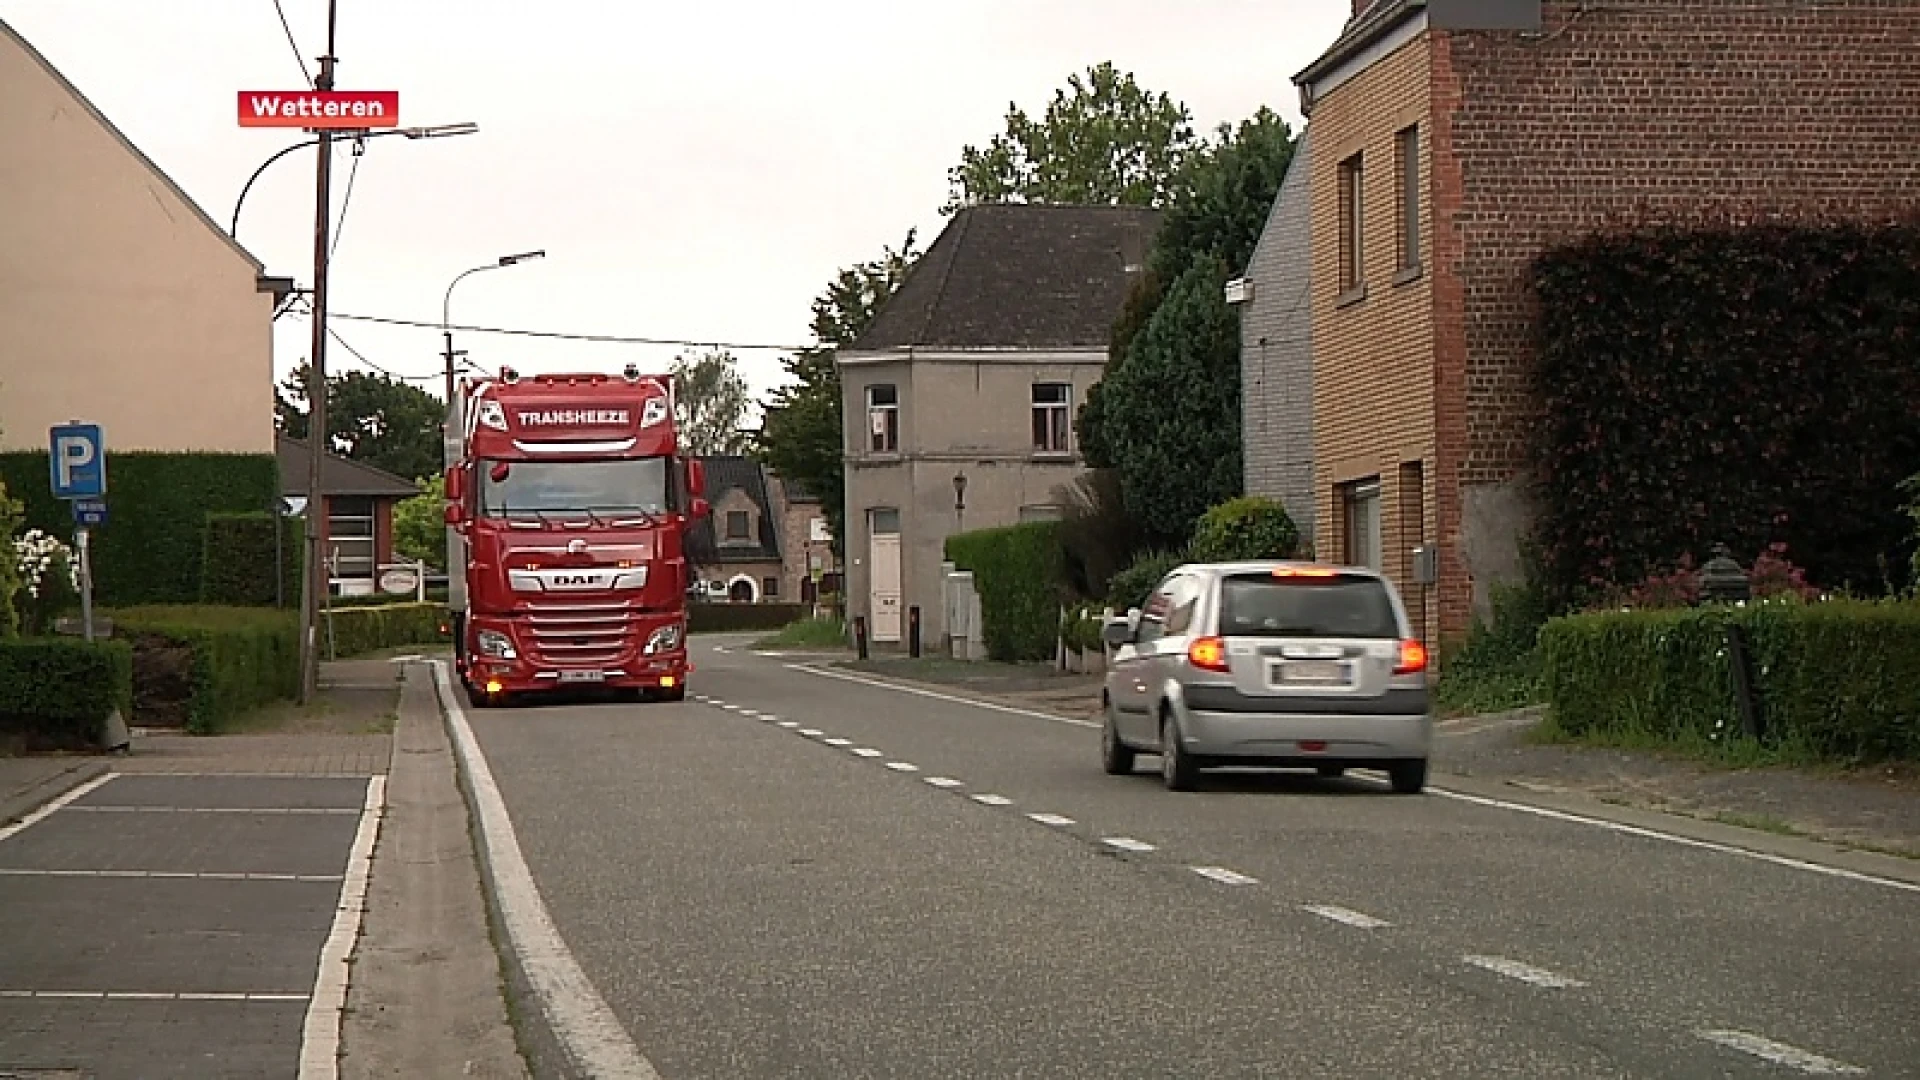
(569, 502)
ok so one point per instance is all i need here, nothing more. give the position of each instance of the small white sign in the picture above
(399, 582)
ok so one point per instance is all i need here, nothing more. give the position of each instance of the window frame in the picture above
(1052, 421)
(883, 419)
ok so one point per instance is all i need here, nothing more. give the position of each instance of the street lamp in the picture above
(455, 426)
(436, 131)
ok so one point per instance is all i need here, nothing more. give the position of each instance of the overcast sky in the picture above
(692, 172)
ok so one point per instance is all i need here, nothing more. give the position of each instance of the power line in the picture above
(292, 44)
(346, 201)
(605, 339)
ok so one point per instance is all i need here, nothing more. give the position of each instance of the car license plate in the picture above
(1309, 673)
(583, 676)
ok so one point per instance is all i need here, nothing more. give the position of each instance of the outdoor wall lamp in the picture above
(959, 491)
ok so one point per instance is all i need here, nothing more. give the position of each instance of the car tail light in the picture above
(1413, 658)
(1305, 572)
(1209, 653)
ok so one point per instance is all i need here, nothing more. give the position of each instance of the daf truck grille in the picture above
(577, 635)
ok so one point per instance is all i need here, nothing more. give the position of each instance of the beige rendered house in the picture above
(121, 302)
(960, 399)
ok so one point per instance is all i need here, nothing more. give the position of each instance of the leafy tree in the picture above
(372, 418)
(1182, 403)
(420, 524)
(801, 437)
(1171, 410)
(711, 401)
(1103, 141)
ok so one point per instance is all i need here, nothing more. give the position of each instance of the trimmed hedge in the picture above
(704, 618)
(56, 693)
(1740, 384)
(238, 562)
(366, 629)
(150, 551)
(242, 658)
(1838, 679)
(1018, 573)
(1132, 586)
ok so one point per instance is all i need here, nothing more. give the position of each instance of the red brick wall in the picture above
(1446, 184)
(1663, 105)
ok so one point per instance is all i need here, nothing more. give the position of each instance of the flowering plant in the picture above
(49, 576)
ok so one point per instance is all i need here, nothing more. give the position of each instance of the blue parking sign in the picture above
(78, 462)
(89, 513)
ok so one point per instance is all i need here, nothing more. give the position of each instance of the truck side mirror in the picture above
(701, 508)
(455, 514)
(456, 485)
(697, 480)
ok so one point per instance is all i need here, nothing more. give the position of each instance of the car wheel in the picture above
(1116, 757)
(1178, 770)
(1408, 777)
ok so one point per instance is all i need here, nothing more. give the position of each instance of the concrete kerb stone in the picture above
(540, 1045)
(16, 805)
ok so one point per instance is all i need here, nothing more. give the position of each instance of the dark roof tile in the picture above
(338, 475)
(1018, 275)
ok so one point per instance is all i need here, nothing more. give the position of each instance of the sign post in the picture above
(77, 460)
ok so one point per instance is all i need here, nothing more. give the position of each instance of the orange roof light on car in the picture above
(1413, 658)
(1208, 653)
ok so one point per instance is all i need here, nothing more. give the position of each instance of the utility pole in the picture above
(314, 589)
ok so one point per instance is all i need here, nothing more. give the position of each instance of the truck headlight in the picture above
(495, 644)
(663, 639)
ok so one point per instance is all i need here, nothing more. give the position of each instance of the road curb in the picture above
(18, 805)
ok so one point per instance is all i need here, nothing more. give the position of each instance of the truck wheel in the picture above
(678, 693)
(479, 698)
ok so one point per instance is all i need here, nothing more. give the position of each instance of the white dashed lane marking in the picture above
(1346, 915)
(1126, 843)
(1224, 876)
(812, 732)
(838, 742)
(993, 800)
(943, 782)
(1780, 1053)
(790, 724)
(1526, 973)
(903, 766)
(868, 752)
(1051, 819)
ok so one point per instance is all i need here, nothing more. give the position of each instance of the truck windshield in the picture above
(545, 488)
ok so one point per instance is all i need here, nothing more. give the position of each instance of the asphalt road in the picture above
(808, 875)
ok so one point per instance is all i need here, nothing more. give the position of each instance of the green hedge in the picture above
(55, 693)
(242, 658)
(1837, 680)
(1249, 527)
(705, 618)
(366, 629)
(151, 549)
(1017, 570)
(238, 561)
(1131, 587)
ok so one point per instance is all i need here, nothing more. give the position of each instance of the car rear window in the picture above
(1340, 605)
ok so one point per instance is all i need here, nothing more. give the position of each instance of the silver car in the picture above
(1274, 664)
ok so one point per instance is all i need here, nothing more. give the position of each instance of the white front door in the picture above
(883, 573)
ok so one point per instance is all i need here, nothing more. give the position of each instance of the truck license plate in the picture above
(583, 676)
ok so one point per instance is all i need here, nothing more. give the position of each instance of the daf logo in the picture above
(565, 580)
(576, 546)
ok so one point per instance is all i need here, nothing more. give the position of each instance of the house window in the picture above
(1360, 506)
(1407, 169)
(770, 587)
(1051, 424)
(350, 536)
(883, 418)
(1351, 224)
(738, 524)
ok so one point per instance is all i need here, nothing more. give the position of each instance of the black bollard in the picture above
(913, 631)
(860, 635)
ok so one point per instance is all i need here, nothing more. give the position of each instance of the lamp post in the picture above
(959, 502)
(450, 434)
(436, 131)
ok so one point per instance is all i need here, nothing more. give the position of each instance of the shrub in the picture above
(808, 633)
(1132, 586)
(240, 658)
(1910, 486)
(369, 628)
(1836, 680)
(150, 552)
(1017, 571)
(1098, 536)
(9, 569)
(1497, 667)
(48, 573)
(55, 693)
(1690, 379)
(238, 560)
(725, 618)
(1248, 527)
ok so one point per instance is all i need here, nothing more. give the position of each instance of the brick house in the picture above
(1454, 141)
(736, 548)
(357, 532)
(806, 543)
